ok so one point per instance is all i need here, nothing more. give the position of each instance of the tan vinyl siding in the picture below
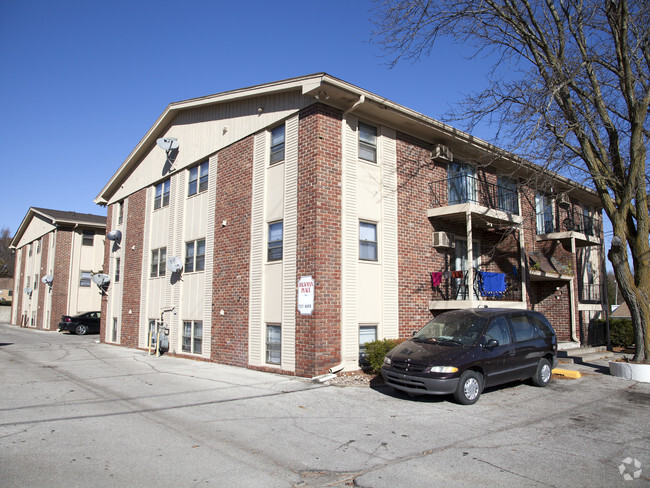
(350, 244)
(209, 257)
(258, 240)
(290, 237)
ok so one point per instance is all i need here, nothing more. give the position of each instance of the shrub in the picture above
(376, 352)
(621, 332)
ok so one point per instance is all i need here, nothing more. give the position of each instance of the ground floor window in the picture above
(273, 344)
(192, 336)
(114, 330)
(367, 333)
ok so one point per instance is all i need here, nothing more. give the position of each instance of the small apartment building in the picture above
(56, 253)
(390, 215)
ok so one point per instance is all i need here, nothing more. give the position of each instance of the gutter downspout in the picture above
(572, 305)
(362, 100)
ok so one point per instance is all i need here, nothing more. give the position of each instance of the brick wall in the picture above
(61, 272)
(133, 268)
(318, 336)
(232, 245)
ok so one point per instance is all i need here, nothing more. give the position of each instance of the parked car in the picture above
(86, 323)
(464, 351)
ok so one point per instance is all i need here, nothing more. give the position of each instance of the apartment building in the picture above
(280, 227)
(56, 253)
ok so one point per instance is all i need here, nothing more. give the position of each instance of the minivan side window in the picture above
(543, 327)
(498, 329)
(523, 329)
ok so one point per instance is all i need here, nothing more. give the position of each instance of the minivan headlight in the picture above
(387, 360)
(443, 369)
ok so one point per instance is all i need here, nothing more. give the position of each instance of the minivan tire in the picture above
(469, 388)
(543, 374)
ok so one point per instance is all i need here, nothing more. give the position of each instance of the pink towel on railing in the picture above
(436, 278)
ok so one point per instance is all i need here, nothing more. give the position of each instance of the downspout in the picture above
(362, 100)
(572, 305)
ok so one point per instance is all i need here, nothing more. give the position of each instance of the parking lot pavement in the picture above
(74, 412)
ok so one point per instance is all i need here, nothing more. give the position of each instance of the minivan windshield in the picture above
(452, 329)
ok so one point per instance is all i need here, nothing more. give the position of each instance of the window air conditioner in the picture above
(443, 239)
(563, 200)
(442, 152)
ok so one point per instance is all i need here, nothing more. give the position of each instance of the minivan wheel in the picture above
(469, 388)
(543, 375)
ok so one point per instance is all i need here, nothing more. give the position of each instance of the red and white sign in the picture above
(306, 295)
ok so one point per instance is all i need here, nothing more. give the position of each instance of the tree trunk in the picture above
(635, 297)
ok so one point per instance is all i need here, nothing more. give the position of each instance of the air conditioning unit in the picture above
(442, 152)
(443, 239)
(563, 200)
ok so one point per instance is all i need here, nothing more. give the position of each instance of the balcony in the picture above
(453, 292)
(567, 223)
(455, 197)
(590, 292)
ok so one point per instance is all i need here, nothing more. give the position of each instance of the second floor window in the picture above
(117, 270)
(275, 241)
(367, 142)
(88, 238)
(198, 178)
(120, 213)
(195, 256)
(161, 197)
(544, 211)
(277, 145)
(85, 279)
(367, 241)
(158, 258)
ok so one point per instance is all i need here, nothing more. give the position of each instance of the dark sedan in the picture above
(86, 323)
(464, 351)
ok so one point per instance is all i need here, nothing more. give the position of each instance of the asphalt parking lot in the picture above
(74, 412)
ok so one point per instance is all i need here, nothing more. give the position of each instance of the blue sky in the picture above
(82, 81)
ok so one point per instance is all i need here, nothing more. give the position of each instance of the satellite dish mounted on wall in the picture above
(101, 280)
(28, 290)
(170, 145)
(114, 235)
(174, 264)
(47, 279)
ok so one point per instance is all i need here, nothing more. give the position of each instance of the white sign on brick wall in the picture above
(306, 295)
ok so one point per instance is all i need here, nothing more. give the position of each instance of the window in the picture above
(588, 222)
(114, 330)
(195, 256)
(461, 183)
(367, 241)
(161, 198)
(273, 344)
(158, 258)
(120, 213)
(277, 144)
(498, 329)
(85, 278)
(117, 270)
(522, 328)
(192, 336)
(30, 249)
(544, 210)
(36, 281)
(38, 246)
(367, 142)
(198, 178)
(367, 333)
(88, 238)
(507, 195)
(275, 241)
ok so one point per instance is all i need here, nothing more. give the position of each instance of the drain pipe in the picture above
(572, 304)
(362, 99)
(336, 369)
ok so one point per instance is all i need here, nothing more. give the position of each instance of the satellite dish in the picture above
(28, 290)
(167, 143)
(47, 279)
(114, 235)
(174, 264)
(101, 279)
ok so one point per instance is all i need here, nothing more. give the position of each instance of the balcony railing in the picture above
(567, 220)
(457, 288)
(469, 189)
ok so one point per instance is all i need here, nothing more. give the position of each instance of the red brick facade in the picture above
(107, 261)
(231, 283)
(61, 272)
(318, 336)
(133, 269)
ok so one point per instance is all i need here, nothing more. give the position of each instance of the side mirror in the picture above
(491, 343)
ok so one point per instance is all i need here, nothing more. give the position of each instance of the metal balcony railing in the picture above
(590, 292)
(454, 286)
(567, 220)
(469, 189)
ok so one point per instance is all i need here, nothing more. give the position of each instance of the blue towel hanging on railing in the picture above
(493, 283)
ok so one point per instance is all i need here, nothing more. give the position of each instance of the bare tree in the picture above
(570, 86)
(6, 256)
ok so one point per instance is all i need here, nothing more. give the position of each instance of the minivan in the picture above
(464, 351)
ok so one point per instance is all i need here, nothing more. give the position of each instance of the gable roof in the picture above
(58, 218)
(622, 312)
(332, 91)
